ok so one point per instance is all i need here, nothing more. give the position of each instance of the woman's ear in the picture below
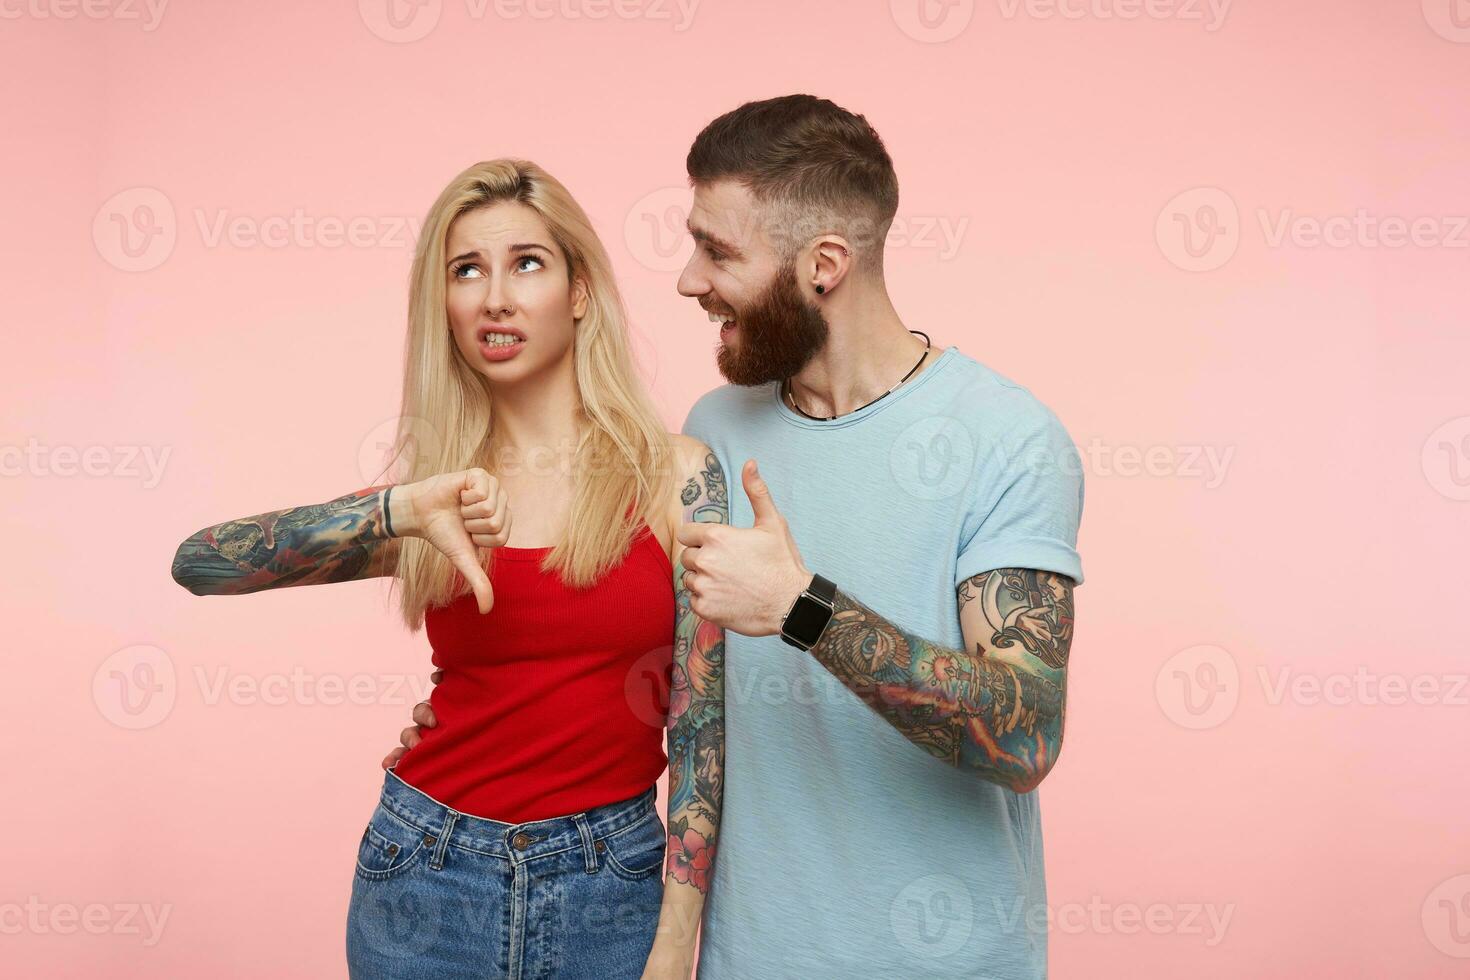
(579, 298)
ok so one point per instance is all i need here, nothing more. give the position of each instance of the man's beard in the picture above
(778, 334)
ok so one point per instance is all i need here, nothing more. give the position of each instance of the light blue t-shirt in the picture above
(845, 850)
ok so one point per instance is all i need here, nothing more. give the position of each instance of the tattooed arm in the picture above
(995, 707)
(696, 728)
(338, 541)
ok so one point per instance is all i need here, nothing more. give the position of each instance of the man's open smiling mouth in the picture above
(726, 322)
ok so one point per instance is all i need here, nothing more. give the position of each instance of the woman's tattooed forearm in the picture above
(337, 541)
(696, 732)
(999, 709)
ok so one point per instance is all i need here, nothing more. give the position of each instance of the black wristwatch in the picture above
(809, 614)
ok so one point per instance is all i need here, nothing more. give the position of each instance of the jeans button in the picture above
(520, 841)
(600, 846)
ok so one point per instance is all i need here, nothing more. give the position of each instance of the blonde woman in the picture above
(533, 536)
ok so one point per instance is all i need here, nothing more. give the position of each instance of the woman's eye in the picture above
(461, 268)
(528, 258)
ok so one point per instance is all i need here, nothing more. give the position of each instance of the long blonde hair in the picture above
(622, 464)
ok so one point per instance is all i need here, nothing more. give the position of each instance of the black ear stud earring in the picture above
(821, 288)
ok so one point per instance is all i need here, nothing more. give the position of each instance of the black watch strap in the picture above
(822, 588)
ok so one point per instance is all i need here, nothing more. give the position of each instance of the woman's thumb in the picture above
(474, 573)
(484, 595)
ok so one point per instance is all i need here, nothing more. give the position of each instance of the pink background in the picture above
(1329, 828)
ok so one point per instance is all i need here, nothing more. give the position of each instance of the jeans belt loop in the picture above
(589, 852)
(450, 818)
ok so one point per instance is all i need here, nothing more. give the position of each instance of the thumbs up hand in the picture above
(744, 579)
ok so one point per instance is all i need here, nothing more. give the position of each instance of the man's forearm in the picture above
(696, 737)
(998, 714)
(696, 767)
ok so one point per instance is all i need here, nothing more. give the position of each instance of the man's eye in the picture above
(715, 254)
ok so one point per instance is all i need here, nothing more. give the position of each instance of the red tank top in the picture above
(553, 702)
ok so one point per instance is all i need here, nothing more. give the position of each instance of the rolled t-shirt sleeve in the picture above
(1026, 497)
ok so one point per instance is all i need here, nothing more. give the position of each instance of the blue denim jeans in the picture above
(439, 893)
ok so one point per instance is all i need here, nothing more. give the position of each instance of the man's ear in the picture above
(579, 298)
(831, 260)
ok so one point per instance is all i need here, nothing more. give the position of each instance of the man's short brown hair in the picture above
(819, 166)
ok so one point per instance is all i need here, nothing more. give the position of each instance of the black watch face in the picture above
(807, 619)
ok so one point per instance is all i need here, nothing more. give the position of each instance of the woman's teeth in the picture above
(501, 339)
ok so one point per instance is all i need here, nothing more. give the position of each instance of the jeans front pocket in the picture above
(637, 851)
(389, 847)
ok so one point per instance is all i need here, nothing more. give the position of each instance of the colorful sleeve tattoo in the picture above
(338, 541)
(997, 710)
(696, 733)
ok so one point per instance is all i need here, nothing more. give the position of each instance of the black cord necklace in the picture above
(790, 398)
